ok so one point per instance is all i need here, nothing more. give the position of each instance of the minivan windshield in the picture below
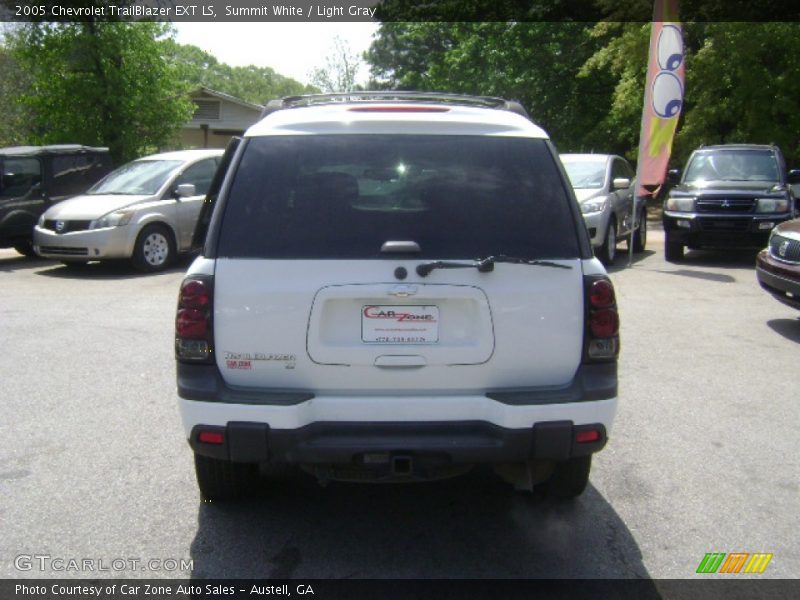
(344, 196)
(143, 177)
(732, 165)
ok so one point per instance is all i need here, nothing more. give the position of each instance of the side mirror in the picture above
(793, 176)
(621, 183)
(674, 176)
(185, 190)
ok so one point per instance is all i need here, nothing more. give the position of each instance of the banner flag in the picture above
(663, 96)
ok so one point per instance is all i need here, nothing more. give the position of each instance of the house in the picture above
(217, 118)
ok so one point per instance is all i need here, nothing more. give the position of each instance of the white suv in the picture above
(396, 286)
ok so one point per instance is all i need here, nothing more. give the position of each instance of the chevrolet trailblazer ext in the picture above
(394, 287)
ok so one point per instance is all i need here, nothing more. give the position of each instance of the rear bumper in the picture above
(497, 426)
(434, 444)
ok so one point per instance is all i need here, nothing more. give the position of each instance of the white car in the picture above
(145, 210)
(394, 287)
(604, 185)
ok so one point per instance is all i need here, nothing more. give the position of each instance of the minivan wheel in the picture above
(608, 251)
(154, 249)
(25, 248)
(569, 478)
(640, 235)
(673, 252)
(222, 479)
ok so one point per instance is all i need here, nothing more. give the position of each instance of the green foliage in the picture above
(584, 83)
(742, 86)
(253, 84)
(535, 63)
(101, 84)
(13, 82)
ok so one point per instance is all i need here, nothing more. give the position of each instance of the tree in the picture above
(12, 85)
(101, 83)
(536, 63)
(740, 84)
(340, 70)
(253, 84)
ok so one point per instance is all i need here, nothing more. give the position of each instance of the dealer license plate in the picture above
(399, 324)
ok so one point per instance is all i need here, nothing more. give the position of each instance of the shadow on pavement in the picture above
(121, 269)
(788, 328)
(621, 261)
(707, 275)
(720, 259)
(472, 526)
(16, 262)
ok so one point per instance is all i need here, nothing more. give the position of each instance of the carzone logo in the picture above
(376, 312)
(735, 562)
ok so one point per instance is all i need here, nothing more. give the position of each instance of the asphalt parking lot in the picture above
(702, 457)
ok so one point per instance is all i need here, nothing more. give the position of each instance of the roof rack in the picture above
(394, 96)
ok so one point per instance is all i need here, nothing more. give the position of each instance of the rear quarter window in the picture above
(343, 196)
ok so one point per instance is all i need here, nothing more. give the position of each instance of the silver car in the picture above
(145, 211)
(604, 186)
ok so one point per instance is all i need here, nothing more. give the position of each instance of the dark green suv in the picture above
(33, 178)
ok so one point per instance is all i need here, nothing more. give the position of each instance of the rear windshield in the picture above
(344, 196)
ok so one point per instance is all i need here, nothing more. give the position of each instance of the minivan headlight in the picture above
(112, 219)
(772, 205)
(680, 204)
(593, 206)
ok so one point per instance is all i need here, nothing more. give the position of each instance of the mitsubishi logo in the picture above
(60, 226)
(726, 204)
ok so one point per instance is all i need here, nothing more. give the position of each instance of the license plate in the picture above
(393, 324)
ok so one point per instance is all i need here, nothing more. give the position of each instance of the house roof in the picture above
(226, 97)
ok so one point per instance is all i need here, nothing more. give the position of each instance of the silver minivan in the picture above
(145, 211)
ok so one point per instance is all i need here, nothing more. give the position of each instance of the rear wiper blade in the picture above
(484, 265)
(515, 260)
(425, 268)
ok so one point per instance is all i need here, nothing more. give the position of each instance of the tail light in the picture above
(602, 320)
(193, 321)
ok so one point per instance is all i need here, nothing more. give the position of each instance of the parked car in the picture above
(395, 286)
(729, 196)
(604, 186)
(145, 211)
(33, 178)
(778, 265)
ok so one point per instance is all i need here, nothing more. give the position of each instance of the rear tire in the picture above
(608, 251)
(154, 249)
(569, 478)
(673, 251)
(222, 479)
(640, 235)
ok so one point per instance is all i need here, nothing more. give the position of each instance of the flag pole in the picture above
(663, 100)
